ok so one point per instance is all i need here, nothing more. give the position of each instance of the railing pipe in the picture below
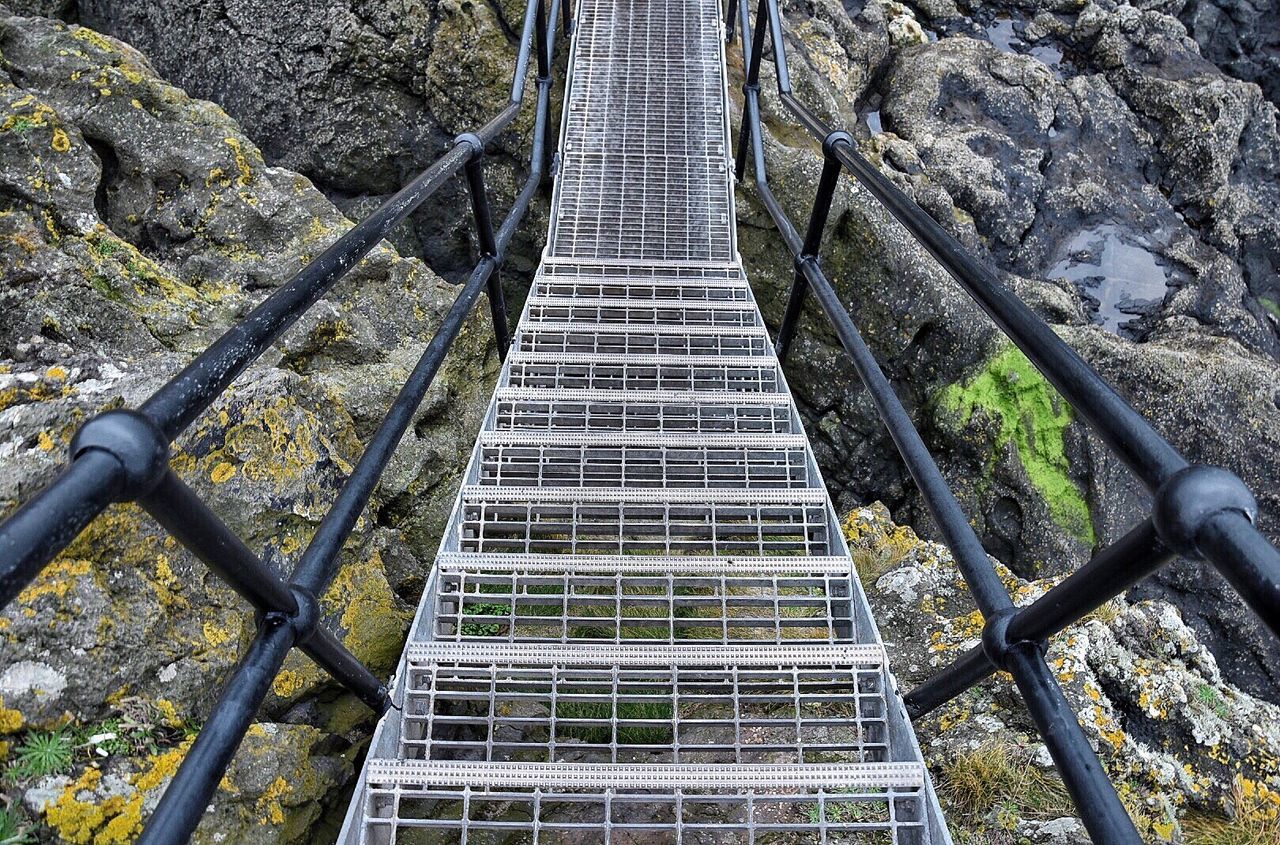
(185, 798)
(182, 513)
(1249, 563)
(808, 250)
(332, 656)
(50, 520)
(1107, 575)
(177, 404)
(1097, 803)
(317, 566)
(988, 591)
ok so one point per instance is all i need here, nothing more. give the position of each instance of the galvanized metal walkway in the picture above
(643, 624)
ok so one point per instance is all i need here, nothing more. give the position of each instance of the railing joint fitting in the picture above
(136, 443)
(995, 637)
(1188, 499)
(805, 259)
(835, 137)
(751, 87)
(472, 140)
(306, 618)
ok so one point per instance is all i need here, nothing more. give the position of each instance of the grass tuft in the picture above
(1002, 777)
(1255, 821)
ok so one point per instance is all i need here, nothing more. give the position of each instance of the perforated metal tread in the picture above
(643, 625)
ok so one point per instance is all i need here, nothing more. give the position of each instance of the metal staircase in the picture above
(643, 624)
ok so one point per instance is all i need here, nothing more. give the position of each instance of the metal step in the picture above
(549, 598)
(644, 521)
(739, 374)
(580, 311)
(610, 411)
(472, 802)
(661, 460)
(607, 339)
(645, 704)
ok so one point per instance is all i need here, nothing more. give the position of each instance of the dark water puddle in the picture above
(1006, 35)
(1116, 272)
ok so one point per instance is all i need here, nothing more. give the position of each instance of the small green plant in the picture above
(43, 753)
(1210, 697)
(12, 830)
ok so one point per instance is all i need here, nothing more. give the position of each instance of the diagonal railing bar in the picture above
(122, 455)
(1200, 512)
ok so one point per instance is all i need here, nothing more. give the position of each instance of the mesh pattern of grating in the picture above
(643, 625)
(644, 170)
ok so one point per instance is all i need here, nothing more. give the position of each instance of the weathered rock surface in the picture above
(1179, 738)
(1058, 141)
(357, 95)
(1240, 36)
(136, 224)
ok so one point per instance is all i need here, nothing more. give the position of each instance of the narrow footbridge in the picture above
(643, 624)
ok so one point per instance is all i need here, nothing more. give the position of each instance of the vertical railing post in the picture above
(812, 240)
(474, 170)
(730, 24)
(750, 88)
(544, 46)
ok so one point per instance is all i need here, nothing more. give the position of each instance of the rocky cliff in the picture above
(1116, 161)
(136, 224)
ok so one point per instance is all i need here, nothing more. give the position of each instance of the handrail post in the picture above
(812, 242)
(729, 23)
(751, 87)
(474, 170)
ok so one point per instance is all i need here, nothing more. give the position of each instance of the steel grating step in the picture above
(644, 521)
(668, 461)
(456, 802)
(728, 606)
(652, 703)
(739, 374)
(580, 311)
(645, 343)
(641, 564)
(603, 411)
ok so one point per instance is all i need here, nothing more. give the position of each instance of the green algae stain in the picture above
(1029, 413)
(1270, 304)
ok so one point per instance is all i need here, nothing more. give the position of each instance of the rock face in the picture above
(1182, 742)
(1240, 37)
(1121, 184)
(357, 95)
(136, 224)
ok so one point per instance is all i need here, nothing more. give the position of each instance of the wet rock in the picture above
(1239, 37)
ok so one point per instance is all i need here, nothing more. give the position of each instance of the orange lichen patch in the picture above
(56, 579)
(269, 806)
(288, 683)
(222, 472)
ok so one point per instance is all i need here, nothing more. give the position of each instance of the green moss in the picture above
(1270, 304)
(1029, 413)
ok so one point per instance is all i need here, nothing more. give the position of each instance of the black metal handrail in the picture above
(1199, 512)
(123, 456)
